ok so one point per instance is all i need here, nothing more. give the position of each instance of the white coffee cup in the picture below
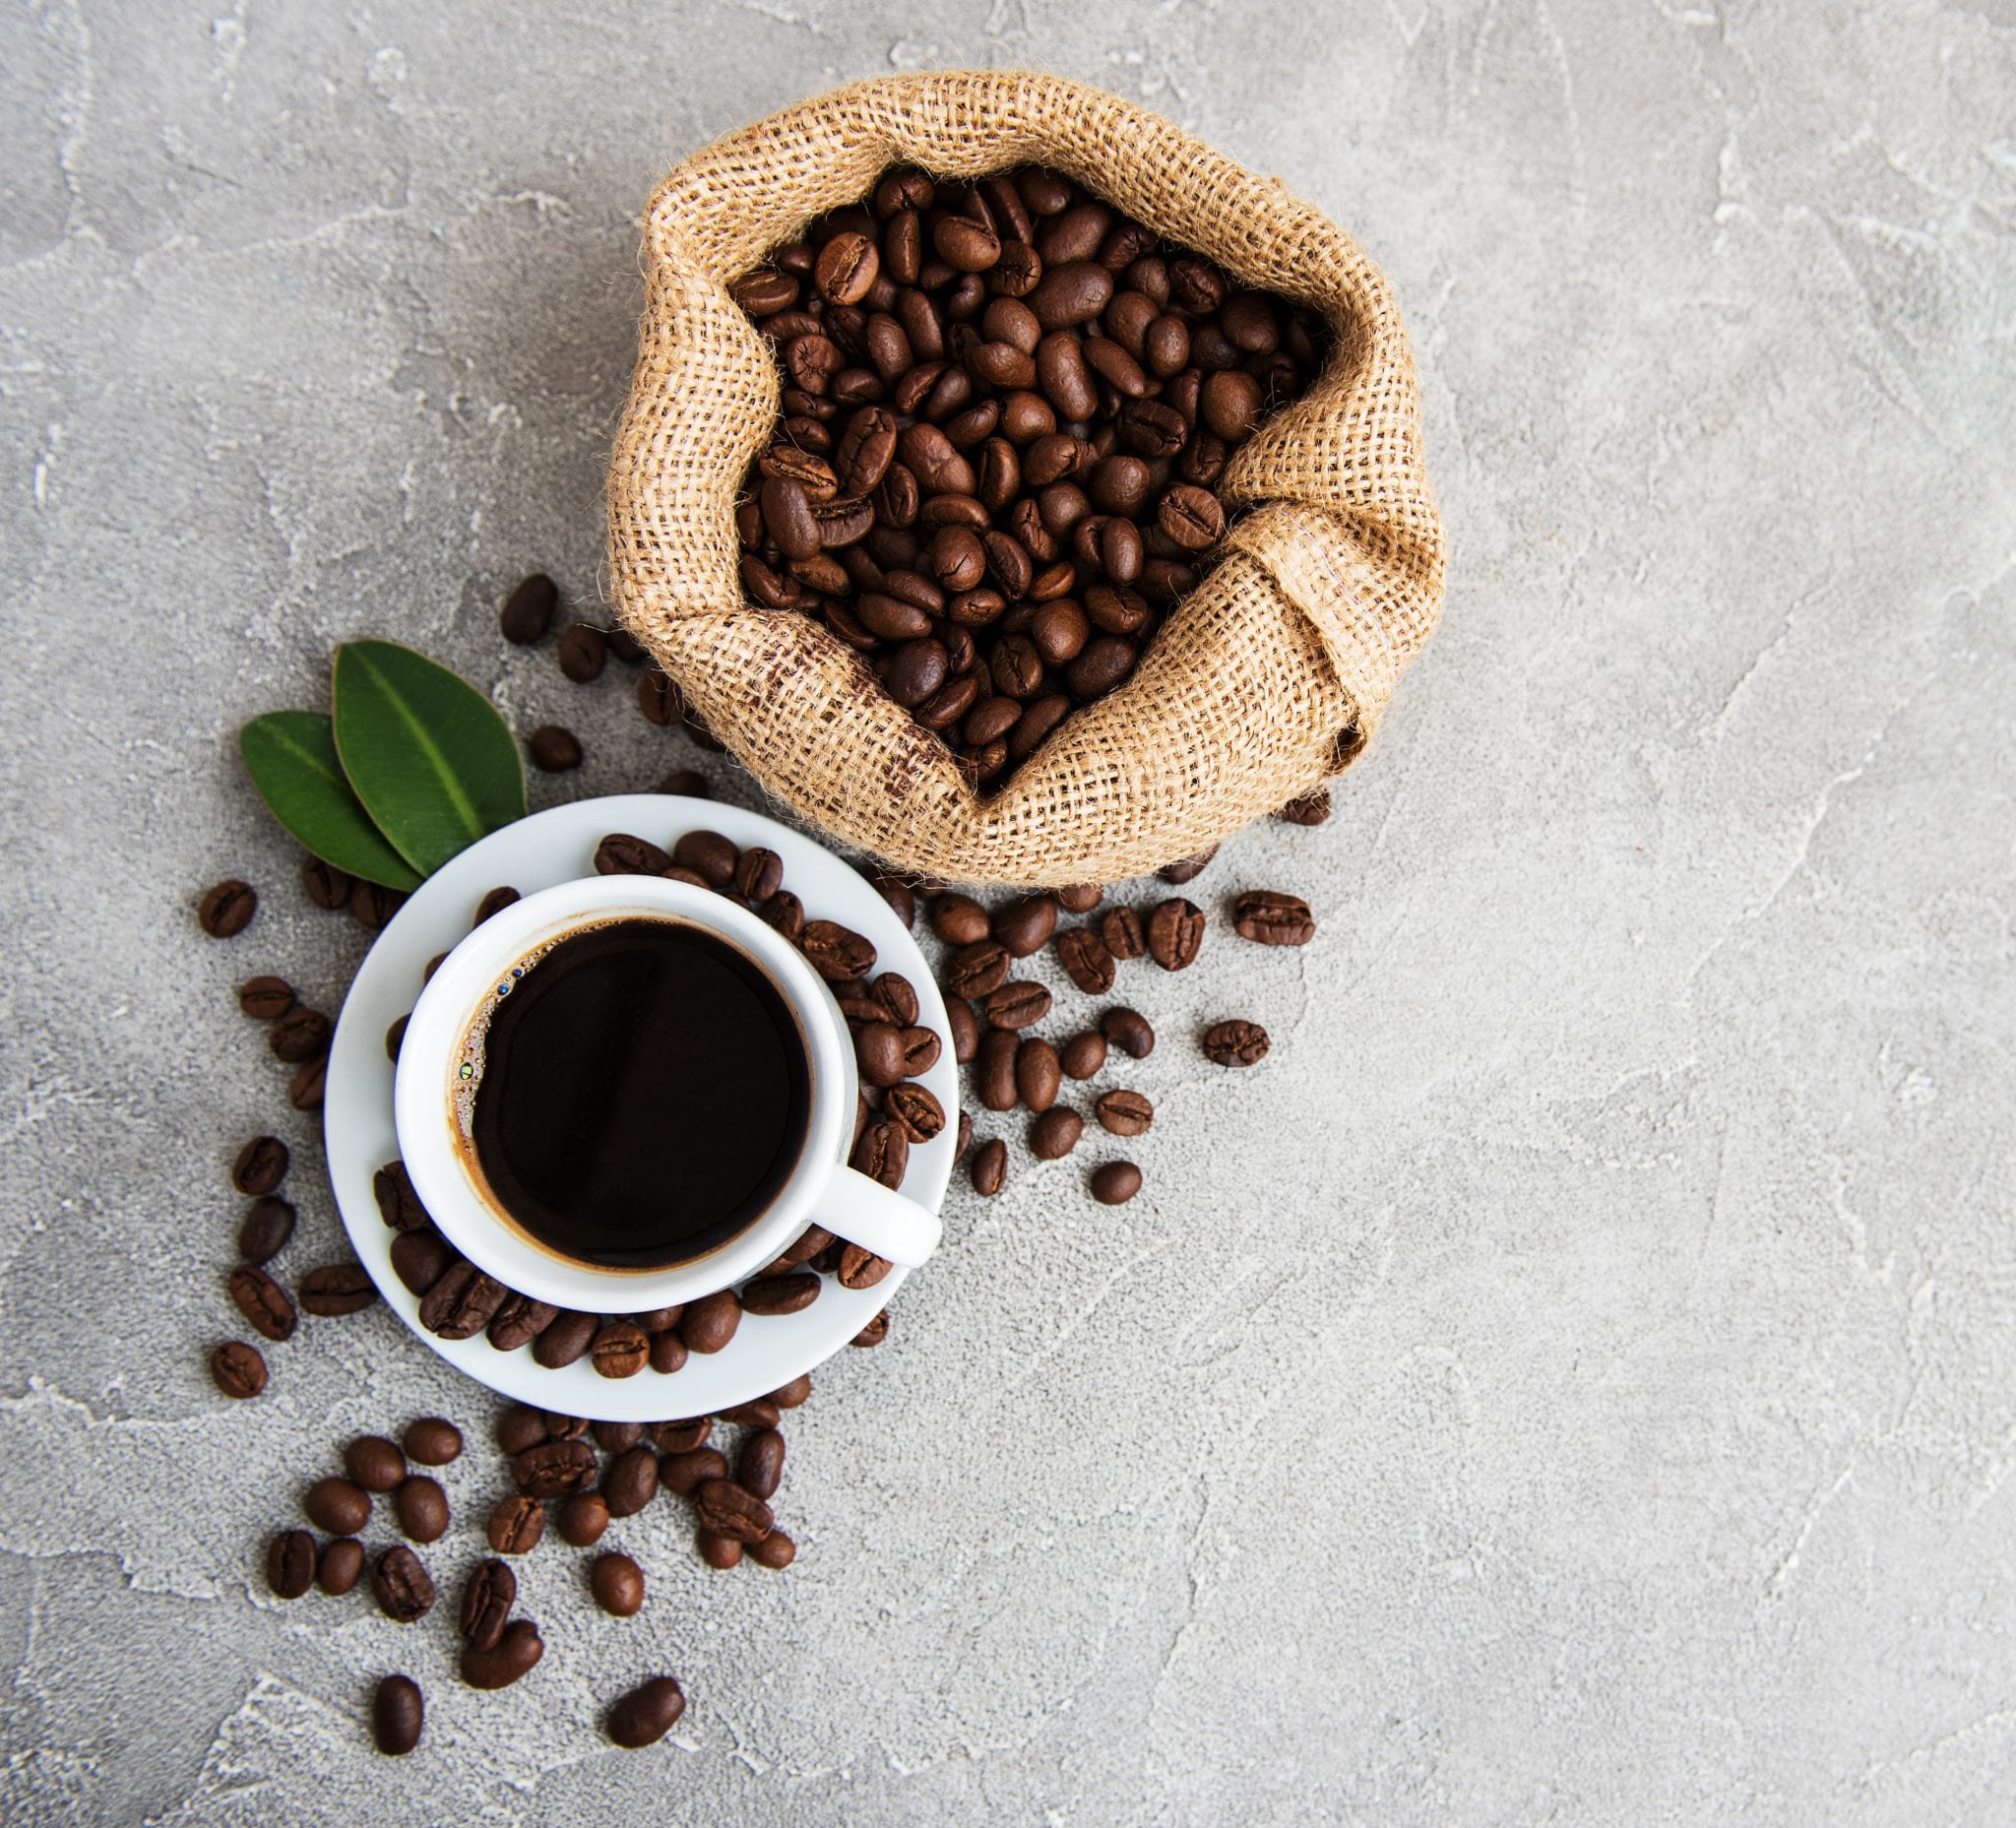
(821, 1188)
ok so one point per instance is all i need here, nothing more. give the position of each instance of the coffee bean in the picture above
(779, 1295)
(874, 1333)
(882, 1154)
(994, 1069)
(419, 1259)
(397, 1714)
(659, 699)
(1236, 1044)
(290, 1564)
(1086, 960)
(1037, 1074)
(1025, 926)
(519, 1428)
(518, 1321)
(1129, 1031)
(528, 609)
(1272, 919)
(553, 749)
(431, 1441)
(916, 1110)
(1084, 1054)
(327, 887)
(621, 855)
(227, 909)
(552, 1469)
(237, 1369)
(1114, 1183)
(757, 1412)
(1080, 898)
(965, 1029)
(620, 1349)
(340, 1566)
(711, 1322)
(564, 1427)
(584, 1517)
(1175, 934)
(861, 1268)
(263, 1232)
(668, 1353)
(423, 1508)
(1124, 936)
(513, 1655)
(921, 1050)
(685, 1473)
(1017, 1005)
(339, 1506)
(838, 953)
(759, 1468)
(682, 1437)
(759, 874)
(461, 1303)
(398, 1204)
(374, 1463)
(486, 1602)
(516, 1525)
(584, 651)
(683, 780)
(394, 1039)
(260, 1167)
(1311, 809)
(975, 971)
(631, 1481)
(494, 903)
(1054, 1134)
(266, 999)
(726, 1509)
(1188, 868)
(648, 1711)
(776, 1549)
(878, 1048)
(619, 1437)
(565, 1339)
(338, 1288)
(1123, 1113)
(263, 1303)
(795, 1394)
(617, 1583)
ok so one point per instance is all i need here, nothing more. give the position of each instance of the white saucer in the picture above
(537, 852)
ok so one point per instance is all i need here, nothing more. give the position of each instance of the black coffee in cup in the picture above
(635, 1094)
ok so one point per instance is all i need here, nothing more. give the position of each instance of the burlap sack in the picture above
(1271, 676)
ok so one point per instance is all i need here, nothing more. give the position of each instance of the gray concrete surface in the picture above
(1570, 1383)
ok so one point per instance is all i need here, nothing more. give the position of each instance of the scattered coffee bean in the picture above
(237, 1369)
(339, 1506)
(422, 1509)
(516, 1525)
(528, 609)
(1054, 1134)
(683, 780)
(964, 1141)
(374, 1463)
(1188, 868)
(553, 1469)
(403, 1589)
(975, 971)
(995, 1068)
(1311, 809)
(327, 887)
(759, 1468)
(486, 1602)
(631, 1482)
(618, 1583)
(340, 1566)
(1087, 960)
(682, 1437)
(959, 919)
(901, 896)
(758, 1412)
(290, 1564)
(874, 1333)
(554, 749)
(1025, 926)
(263, 1302)
(266, 999)
(397, 1715)
(1081, 897)
(648, 1711)
(685, 1473)
(581, 1519)
(372, 905)
(988, 1170)
(433, 1441)
(1018, 1004)
(726, 1509)
(338, 1288)
(305, 1090)
(299, 1035)
(228, 909)
(519, 1428)
(776, 1549)
(795, 1394)
(1272, 919)
(1236, 1044)
(1175, 934)
(711, 1322)
(1129, 1031)
(964, 1029)
(584, 651)
(260, 1167)
(620, 1349)
(510, 1657)
(1037, 1074)
(1084, 1054)
(1114, 1183)
(1124, 936)
(619, 1437)
(779, 1295)
(1125, 1113)
(263, 1232)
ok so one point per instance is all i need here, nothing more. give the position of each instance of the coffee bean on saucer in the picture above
(398, 1204)
(1188, 868)
(397, 1714)
(1054, 1134)
(423, 1508)
(513, 1655)
(1272, 919)
(1037, 1074)
(516, 1525)
(326, 886)
(882, 1154)
(394, 1037)
(759, 1468)
(682, 1437)
(518, 1321)
(683, 1473)
(237, 1369)
(861, 1268)
(227, 909)
(306, 1089)
(581, 1519)
(583, 652)
(878, 1050)
(837, 953)
(618, 1583)
(1114, 1183)
(898, 995)
(711, 1322)
(528, 609)
(776, 1550)
(726, 1509)
(494, 903)
(874, 1333)
(419, 1259)
(1081, 897)
(263, 1302)
(1122, 933)
(338, 1288)
(266, 999)
(462, 1303)
(339, 1506)
(669, 1353)
(374, 1463)
(565, 1339)
(779, 1295)
(260, 1167)
(263, 1232)
(299, 1035)
(1125, 1113)
(1176, 933)
(915, 1110)
(684, 781)
(1086, 960)
(621, 854)
(759, 874)
(620, 1349)
(339, 1566)
(553, 1469)
(290, 1564)
(901, 896)
(1311, 809)
(785, 913)
(1236, 1044)
(651, 1710)
(372, 905)
(554, 749)
(1083, 1054)
(709, 855)
(433, 1441)
(989, 1169)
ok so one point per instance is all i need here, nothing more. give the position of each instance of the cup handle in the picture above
(867, 1214)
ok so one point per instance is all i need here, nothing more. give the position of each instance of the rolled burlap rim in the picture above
(1268, 677)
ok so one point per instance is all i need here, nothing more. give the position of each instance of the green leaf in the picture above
(290, 756)
(434, 764)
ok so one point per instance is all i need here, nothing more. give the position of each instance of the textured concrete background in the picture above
(1574, 1381)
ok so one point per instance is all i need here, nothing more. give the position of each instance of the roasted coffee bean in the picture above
(528, 609)
(759, 874)
(921, 1050)
(874, 1333)
(618, 1583)
(1086, 959)
(516, 1525)
(726, 1509)
(237, 1369)
(776, 1549)
(433, 1441)
(1129, 1031)
(1114, 1183)
(519, 1428)
(494, 903)
(658, 698)
(989, 1167)
(994, 1069)
(339, 1506)
(581, 1519)
(648, 1711)
(779, 1295)
(338, 1288)
(290, 1564)
(327, 887)
(686, 781)
(1188, 868)
(620, 1349)
(565, 1339)
(398, 1204)
(757, 1412)
(882, 1154)
(1037, 1074)
(263, 1232)
(759, 1469)
(964, 1029)
(423, 1508)
(266, 999)
(1236, 1044)
(619, 1437)
(1123, 934)
(486, 1602)
(795, 1394)
(837, 953)
(564, 1427)
(975, 971)
(1055, 1133)
(513, 1655)
(340, 1566)
(1272, 919)
(553, 748)
(374, 1463)
(518, 1321)
(898, 995)
(1081, 897)
(263, 1302)
(419, 1259)
(1123, 1113)
(553, 1469)
(711, 1322)
(1017, 1005)
(394, 1039)
(372, 905)
(227, 909)
(584, 651)
(878, 1048)
(621, 854)
(305, 1090)
(785, 913)
(462, 1302)
(682, 1437)
(861, 1268)
(260, 1167)
(631, 1482)
(685, 1473)
(669, 1353)
(398, 1715)
(1311, 809)
(1025, 926)
(1175, 934)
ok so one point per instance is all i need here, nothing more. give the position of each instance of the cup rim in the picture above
(437, 1163)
